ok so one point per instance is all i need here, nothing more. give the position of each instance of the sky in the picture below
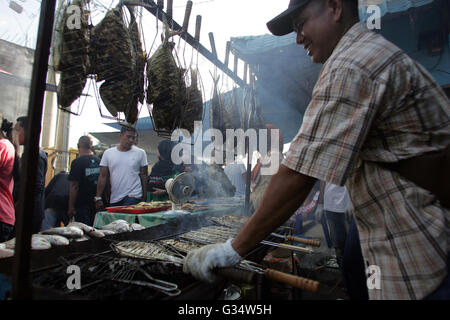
(224, 18)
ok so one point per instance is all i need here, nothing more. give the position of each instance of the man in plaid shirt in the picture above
(372, 104)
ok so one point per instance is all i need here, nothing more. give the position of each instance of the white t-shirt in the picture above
(234, 172)
(124, 168)
(335, 198)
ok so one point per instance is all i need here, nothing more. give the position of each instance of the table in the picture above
(147, 220)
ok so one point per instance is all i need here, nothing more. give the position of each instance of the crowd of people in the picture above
(119, 177)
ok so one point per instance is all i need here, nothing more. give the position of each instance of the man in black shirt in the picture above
(83, 178)
(39, 196)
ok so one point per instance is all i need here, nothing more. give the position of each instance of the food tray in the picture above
(128, 209)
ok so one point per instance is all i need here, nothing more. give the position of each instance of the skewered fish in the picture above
(211, 234)
(229, 221)
(145, 250)
(71, 55)
(194, 104)
(180, 245)
(166, 88)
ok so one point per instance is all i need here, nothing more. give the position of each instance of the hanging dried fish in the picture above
(216, 109)
(115, 61)
(194, 105)
(71, 55)
(140, 57)
(235, 114)
(166, 88)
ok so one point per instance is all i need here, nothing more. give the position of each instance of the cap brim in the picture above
(282, 24)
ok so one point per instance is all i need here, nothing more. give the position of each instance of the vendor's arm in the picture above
(286, 191)
(74, 187)
(101, 183)
(143, 173)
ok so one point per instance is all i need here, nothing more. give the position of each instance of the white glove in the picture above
(201, 262)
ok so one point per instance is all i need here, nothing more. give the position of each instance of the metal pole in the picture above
(152, 8)
(21, 279)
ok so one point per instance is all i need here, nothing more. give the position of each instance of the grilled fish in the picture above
(114, 61)
(68, 232)
(88, 230)
(55, 240)
(194, 104)
(166, 88)
(39, 243)
(5, 252)
(118, 226)
(72, 55)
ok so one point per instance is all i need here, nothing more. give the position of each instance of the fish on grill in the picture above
(180, 245)
(211, 234)
(71, 54)
(55, 240)
(229, 221)
(194, 104)
(145, 250)
(114, 60)
(166, 88)
(68, 232)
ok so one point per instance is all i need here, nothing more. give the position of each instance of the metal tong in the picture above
(168, 288)
(246, 271)
(127, 274)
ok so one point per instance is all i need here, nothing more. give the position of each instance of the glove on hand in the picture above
(201, 262)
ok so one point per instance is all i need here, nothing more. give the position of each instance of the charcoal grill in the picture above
(49, 268)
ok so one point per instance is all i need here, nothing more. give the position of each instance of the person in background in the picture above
(7, 213)
(334, 203)
(39, 196)
(236, 172)
(83, 177)
(56, 201)
(259, 182)
(163, 170)
(125, 167)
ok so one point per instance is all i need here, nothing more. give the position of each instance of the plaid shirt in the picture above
(372, 103)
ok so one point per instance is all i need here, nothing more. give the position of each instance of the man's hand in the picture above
(159, 192)
(201, 262)
(71, 213)
(99, 205)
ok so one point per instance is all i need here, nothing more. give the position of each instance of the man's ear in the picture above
(337, 7)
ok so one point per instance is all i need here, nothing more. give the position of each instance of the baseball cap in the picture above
(282, 24)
